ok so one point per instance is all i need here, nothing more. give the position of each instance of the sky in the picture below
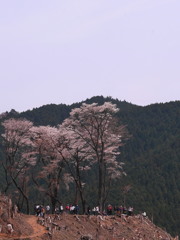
(67, 51)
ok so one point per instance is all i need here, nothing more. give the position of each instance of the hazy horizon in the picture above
(65, 52)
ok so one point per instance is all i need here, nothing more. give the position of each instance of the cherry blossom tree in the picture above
(78, 162)
(97, 128)
(18, 149)
(51, 149)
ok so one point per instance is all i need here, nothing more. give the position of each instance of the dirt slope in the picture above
(24, 227)
(76, 227)
(72, 227)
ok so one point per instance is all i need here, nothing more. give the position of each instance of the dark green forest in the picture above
(151, 157)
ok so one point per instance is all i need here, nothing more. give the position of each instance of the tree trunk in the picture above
(54, 198)
(76, 195)
(8, 183)
(83, 201)
(79, 186)
(53, 204)
(23, 194)
(100, 187)
(27, 204)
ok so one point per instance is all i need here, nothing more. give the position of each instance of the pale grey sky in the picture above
(66, 51)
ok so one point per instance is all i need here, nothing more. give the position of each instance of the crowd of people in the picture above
(110, 210)
(40, 210)
(74, 209)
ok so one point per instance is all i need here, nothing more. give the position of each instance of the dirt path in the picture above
(38, 230)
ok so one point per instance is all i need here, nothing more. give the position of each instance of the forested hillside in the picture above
(151, 156)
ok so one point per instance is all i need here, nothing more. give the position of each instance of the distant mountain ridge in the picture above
(151, 155)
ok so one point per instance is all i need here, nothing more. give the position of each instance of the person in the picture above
(37, 210)
(67, 208)
(42, 214)
(47, 209)
(144, 214)
(97, 210)
(125, 210)
(118, 211)
(76, 210)
(109, 209)
(130, 211)
(121, 209)
(72, 209)
(94, 210)
(61, 209)
(56, 210)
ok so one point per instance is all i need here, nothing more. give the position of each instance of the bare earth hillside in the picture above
(75, 227)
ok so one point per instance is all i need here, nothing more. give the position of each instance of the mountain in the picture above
(151, 156)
